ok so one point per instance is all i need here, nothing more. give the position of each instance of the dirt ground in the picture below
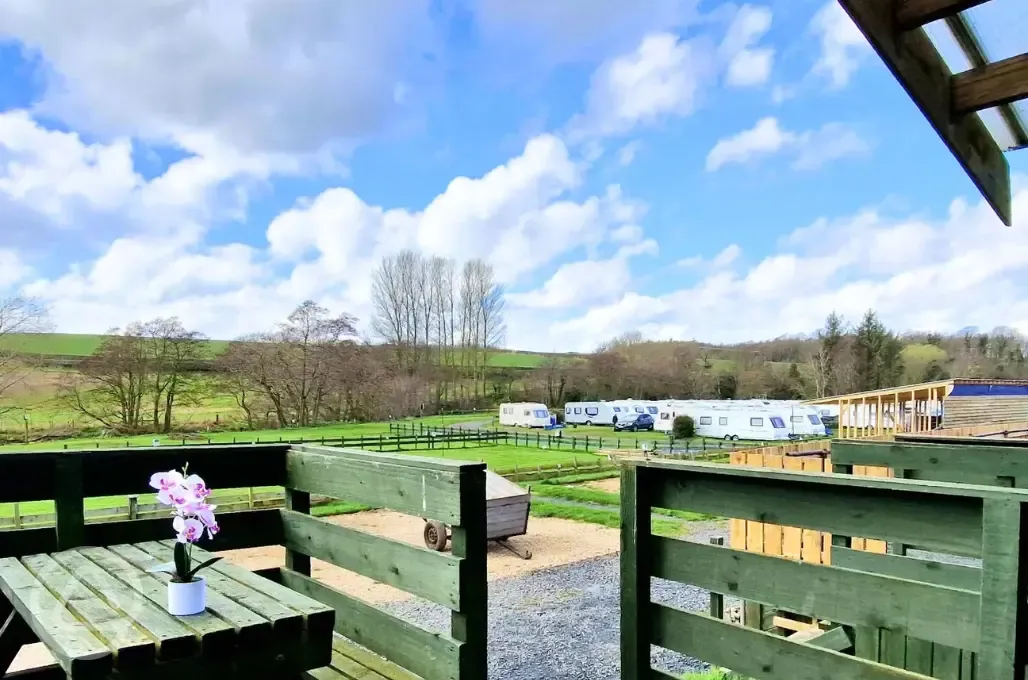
(612, 485)
(553, 542)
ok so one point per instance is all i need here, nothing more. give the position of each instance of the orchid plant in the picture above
(187, 496)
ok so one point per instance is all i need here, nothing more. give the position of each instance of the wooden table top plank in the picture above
(173, 639)
(216, 637)
(318, 616)
(132, 647)
(286, 622)
(253, 631)
(79, 652)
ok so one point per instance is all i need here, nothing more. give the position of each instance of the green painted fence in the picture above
(448, 491)
(936, 606)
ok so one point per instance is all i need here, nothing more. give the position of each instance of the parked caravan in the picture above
(590, 413)
(726, 423)
(525, 414)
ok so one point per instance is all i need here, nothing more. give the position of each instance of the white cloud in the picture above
(660, 78)
(843, 46)
(626, 154)
(12, 269)
(580, 283)
(748, 64)
(51, 171)
(725, 258)
(966, 269)
(516, 216)
(813, 148)
(262, 75)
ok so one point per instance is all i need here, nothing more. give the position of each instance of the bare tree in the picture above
(296, 369)
(113, 383)
(821, 370)
(19, 316)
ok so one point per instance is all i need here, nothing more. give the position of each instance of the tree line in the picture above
(433, 328)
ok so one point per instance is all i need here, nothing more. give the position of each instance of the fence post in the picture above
(516, 477)
(17, 515)
(133, 510)
(249, 498)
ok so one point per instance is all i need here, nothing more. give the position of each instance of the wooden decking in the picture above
(98, 609)
(350, 662)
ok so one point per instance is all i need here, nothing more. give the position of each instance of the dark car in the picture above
(634, 422)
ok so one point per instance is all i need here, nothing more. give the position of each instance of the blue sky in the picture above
(680, 168)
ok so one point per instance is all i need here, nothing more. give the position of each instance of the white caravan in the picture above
(638, 406)
(525, 414)
(726, 423)
(590, 412)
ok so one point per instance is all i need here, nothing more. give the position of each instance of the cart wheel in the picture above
(436, 536)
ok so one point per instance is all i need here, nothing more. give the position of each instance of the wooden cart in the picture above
(506, 506)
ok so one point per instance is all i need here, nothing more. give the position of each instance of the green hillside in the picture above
(77, 345)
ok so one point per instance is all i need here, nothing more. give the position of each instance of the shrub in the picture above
(684, 427)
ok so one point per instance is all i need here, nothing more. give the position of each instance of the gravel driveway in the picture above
(563, 623)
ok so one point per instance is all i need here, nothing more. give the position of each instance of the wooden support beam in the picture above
(911, 14)
(918, 67)
(1000, 82)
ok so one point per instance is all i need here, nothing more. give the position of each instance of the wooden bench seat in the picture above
(352, 662)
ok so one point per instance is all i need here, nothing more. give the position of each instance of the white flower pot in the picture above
(186, 599)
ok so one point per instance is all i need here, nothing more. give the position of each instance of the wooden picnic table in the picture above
(100, 612)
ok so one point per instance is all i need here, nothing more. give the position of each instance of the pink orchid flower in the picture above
(167, 484)
(189, 530)
(197, 486)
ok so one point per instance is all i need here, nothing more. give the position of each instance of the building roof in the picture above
(938, 389)
(965, 64)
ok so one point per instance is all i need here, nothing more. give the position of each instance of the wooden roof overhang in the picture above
(952, 102)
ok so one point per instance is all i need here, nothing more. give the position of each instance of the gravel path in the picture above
(563, 623)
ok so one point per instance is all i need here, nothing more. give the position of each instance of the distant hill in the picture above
(68, 345)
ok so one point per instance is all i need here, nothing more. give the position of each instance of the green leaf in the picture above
(182, 561)
(203, 565)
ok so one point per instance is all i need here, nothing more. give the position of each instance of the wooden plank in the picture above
(123, 471)
(943, 517)
(636, 570)
(286, 623)
(432, 575)
(792, 537)
(246, 529)
(216, 637)
(133, 649)
(946, 663)
(836, 639)
(78, 651)
(432, 494)
(946, 461)
(919, 656)
(69, 502)
(174, 640)
(911, 14)
(1004, 591)
(756, 654)
(319, 618)
(470, 624)
(1000, 82)
(430, 655)
(857, 598)
(911, 569)
(419, 462)
(923, 73)
(377, 665)
(253, 631)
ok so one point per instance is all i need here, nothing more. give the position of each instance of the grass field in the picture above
(76, 345)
